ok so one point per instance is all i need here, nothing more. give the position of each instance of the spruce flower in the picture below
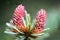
(21, 25)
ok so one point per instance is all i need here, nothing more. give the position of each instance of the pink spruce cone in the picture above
(17, 17)
(40, 20)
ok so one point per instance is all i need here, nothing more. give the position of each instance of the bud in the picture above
(17, 17)
(40, 20)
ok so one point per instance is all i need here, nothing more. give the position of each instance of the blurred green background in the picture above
(52, 8)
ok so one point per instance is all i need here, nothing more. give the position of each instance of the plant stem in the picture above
(26, 38)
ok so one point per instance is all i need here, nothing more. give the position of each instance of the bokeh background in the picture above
(52, 8)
